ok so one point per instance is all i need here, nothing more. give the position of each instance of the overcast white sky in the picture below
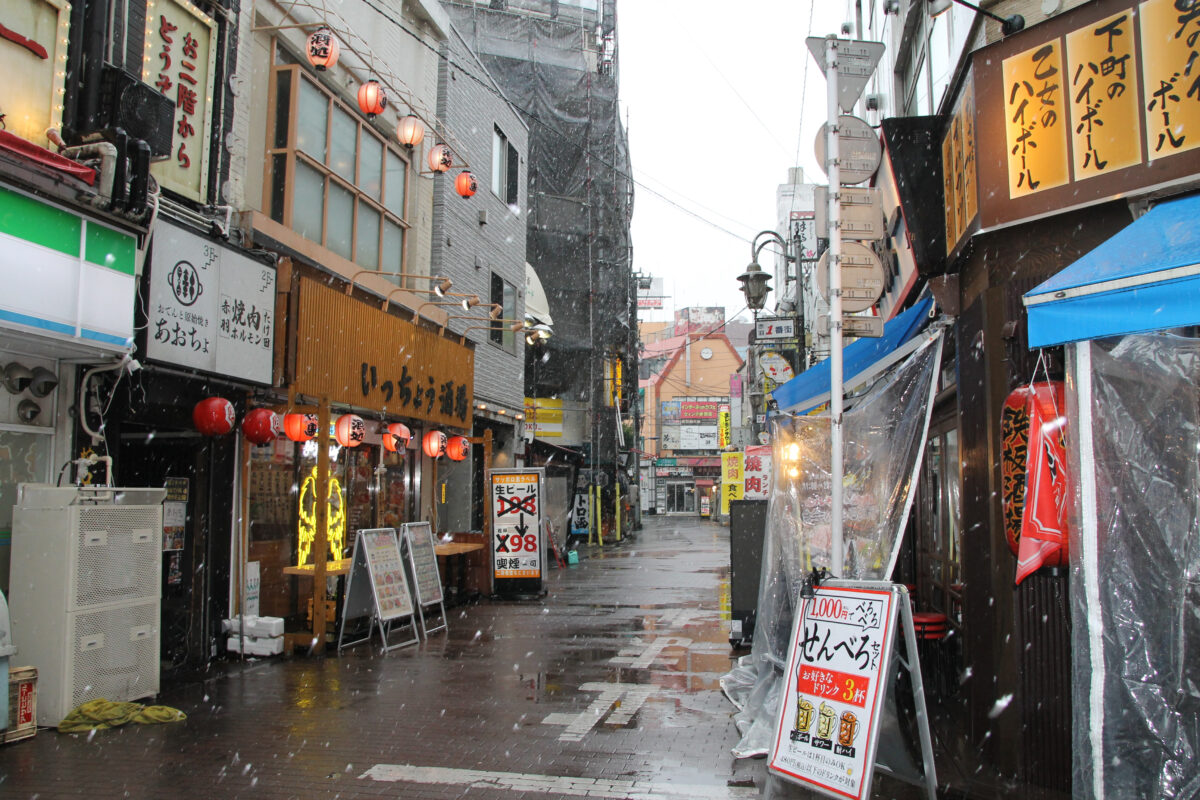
(712, 93)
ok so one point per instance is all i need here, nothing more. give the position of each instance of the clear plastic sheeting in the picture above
(1135, 561)
(884, 432)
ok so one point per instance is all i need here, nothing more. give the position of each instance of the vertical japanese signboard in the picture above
(1035, 120)
(1104, 96)
(180, 60)
(1169, 52)
(757, 470)
(724, 428)
(516, 528)
(732, 487)
(210, 308)
(832, 700)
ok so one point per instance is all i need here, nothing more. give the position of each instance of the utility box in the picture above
(85, 593)
(747, 529)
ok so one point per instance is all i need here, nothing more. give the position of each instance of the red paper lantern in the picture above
(434, 444)
(350, 430)
(322, 49)
(458, 448)
(465, 184)
(372, 99)
(440, 158)
(214, 416)
(410, 131)
(300, 427)
(396, 437)
(261, 426)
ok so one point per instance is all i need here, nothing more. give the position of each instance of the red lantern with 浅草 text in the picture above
(396, 437)
(261, 426)
(350, 430)
(214, 416)
(434, 444)
(300, 427)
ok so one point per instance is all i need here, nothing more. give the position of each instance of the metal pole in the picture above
(833, 170)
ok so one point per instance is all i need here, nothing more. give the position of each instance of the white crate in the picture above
(256, 645)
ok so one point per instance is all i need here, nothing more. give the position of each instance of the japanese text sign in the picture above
(724, 428)
(211, 308)
(1170, 48)
(756, 466)
(828, 724)
(516, 523)
(1098, 102)
(731, 467)
(1104, 96)
(355, 353)
(1035, 120)
(958, 169)
(180, 59)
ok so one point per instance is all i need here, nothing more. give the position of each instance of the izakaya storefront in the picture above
(386, 393)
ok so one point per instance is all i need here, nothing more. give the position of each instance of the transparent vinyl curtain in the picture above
(885, 431)
(1135, 567)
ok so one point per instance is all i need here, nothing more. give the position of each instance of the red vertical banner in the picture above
(1047, 483)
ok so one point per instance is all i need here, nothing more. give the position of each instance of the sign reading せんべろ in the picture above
(516, 523)
(828, 724)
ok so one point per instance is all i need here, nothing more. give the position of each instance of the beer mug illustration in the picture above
(804, 714)
(825, 722)
(847, 729)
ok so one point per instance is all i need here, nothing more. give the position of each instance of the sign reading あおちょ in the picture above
(828, 724)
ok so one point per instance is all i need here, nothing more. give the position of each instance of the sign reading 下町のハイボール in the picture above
(211, 308)
(828, 723)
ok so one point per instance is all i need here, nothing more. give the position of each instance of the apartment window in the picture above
(505, 168)
(505, 295)
(330, 176)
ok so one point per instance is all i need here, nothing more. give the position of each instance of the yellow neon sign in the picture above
(308, 519)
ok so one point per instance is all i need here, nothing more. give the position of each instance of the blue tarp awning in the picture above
(811, 387)
(1145, 278)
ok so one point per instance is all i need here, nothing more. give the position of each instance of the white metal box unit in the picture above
(85, 590)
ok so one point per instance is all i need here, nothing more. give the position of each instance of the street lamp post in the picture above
(755, 286)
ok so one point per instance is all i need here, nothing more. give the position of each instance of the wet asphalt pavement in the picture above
(607, 688)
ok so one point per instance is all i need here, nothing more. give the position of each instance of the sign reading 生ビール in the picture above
(516, 523)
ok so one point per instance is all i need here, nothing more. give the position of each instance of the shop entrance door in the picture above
(681, 498)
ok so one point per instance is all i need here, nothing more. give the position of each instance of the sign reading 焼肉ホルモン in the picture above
(211, 308)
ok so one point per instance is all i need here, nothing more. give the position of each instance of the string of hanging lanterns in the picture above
(322, 52)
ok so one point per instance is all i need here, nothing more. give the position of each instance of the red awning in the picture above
(704, 481)
(40, 155)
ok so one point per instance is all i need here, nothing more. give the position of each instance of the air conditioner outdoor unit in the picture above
(139, 109)
(85, 591)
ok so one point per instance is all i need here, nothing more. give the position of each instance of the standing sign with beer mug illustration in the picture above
(828, 726)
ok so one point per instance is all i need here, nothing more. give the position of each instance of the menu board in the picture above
(422, 557)
(829, 712)
(388, 581)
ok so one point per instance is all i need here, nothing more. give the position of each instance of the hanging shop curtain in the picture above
(861, 359)
(1145, 278)
(885, 436)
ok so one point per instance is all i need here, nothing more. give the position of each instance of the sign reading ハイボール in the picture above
(516, 524)
(828, 724)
